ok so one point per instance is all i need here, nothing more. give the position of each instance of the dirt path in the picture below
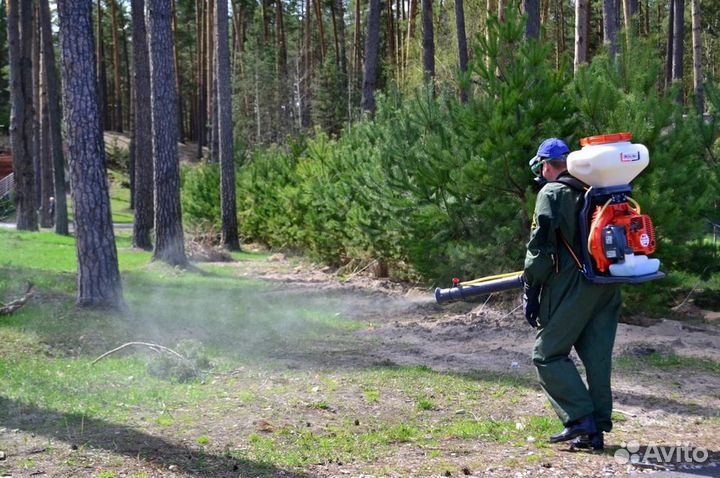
(660, 404)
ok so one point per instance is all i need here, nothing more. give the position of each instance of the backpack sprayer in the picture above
(616, 238)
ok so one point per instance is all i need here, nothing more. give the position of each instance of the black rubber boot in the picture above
(594, 442)
(581, 426)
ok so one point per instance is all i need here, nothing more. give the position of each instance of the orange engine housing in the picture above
(639, 232)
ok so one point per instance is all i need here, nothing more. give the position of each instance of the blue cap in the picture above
(553, 149)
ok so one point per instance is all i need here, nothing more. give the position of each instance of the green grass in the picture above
(119, 201)
(120, 204)
(230, 323)
(668, 361)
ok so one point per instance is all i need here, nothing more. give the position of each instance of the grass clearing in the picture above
(282, 382)
(668, 361)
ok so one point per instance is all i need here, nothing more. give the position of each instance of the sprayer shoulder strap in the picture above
(581, 187)
(573, 183)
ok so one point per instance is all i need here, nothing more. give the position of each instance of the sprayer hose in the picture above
(489, 278)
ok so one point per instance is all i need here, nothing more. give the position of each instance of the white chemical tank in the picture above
(608, 160)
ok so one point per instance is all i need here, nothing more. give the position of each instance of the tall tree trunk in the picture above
(98, 275)
(428, 40)
(54, 120)
(201, 56)
(282, 103)
(399, 55)
(532, 26)
(340, 13)
(42, 114)
(127, 118)
(321, 29)
(117, 70)
(462, 44)
(169, 239)
(21, 119)
(669, 48)
(102, 70)
(678, 45)
(389, 32)
(305, 99)
(412, 14)
(178, 78)
(265, 21)
(372, 57)
(336, 42)
(697, 57)
(357, 48)
(142, 136)
(582, 10)
(36, 147)
(611, 26)
(229, 236)
(210, 82)
(46, 213)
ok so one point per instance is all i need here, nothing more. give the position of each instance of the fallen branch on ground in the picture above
(154, 347)
(7, 309)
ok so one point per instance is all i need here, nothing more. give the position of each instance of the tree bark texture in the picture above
(211, 119)
(127, 93)
(144, 207)
(321, 29)
(428, 40)
(178, 78)
(611, 26)
(532, 25)
(201, 103)
(21, 118)
(98, 275)
(54, 120)
(462, 43)
(37, 139)
(372, 57)
(670, 44)
(117, 69)
(697, 57)
(46, 164)
(678, 37)
(228, 203)
(101, 70)
(412, 15)
(169, 239)
(306, 77)
(582, 8)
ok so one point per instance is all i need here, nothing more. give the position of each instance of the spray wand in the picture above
(484, 285)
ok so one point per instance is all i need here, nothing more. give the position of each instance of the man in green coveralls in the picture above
(568, 310)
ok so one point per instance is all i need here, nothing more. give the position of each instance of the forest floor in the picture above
(292, 370)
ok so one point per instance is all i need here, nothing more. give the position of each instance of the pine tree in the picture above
(54, 120)
(169, 238)
(21, 121)
(142, 134)
(229, 236)
(98, 274)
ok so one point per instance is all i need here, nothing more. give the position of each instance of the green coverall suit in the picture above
(573, 312)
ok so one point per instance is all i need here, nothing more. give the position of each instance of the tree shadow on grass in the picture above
(665, 403)
(156, 452)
